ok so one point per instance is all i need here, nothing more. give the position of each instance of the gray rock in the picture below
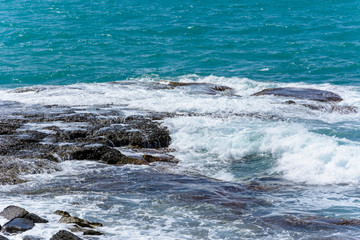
(18, 225)
(64, 235)
(302, 93)
(3, 238)
(11, 212)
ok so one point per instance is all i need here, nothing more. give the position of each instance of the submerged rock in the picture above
(64, 235)
(201, 88)
(18, 225)
(88, 232)
(302, 93)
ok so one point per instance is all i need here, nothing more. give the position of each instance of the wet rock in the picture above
(35, 218)
(27, 237)
(201, 88)
(106, 154)
(163, 158)
(332, 108)
(64, 235)
(88, 232)
(290, 102)
(11, 168)
(11, 212)
(137, 132)
(18, 225)
(80, 222)
(7, 128)
(302, 93)
(67, 218)
(92, 233)
(62, 213)
(3, 238)
(115, 158)
(342, 221)
(91, 152)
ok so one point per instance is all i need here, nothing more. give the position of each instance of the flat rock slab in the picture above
(18, 225)
(302, 93)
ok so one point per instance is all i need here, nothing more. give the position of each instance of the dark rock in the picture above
(344, 222)
(302, 93)
(62, 213)
(18, 225)
(115, 157)
(65, 235)
(85, 231)
(11, 168)
(107, 154)
(163, 158)
(332, 108)
(80, 222)
(3, 238)
(9, 127)
(67, 218)
(91, 152)
(11, 212)
(35, 218)
(202, 88)
(290, 102)
(92, 233)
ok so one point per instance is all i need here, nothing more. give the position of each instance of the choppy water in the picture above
(250, 167)
(58, 42)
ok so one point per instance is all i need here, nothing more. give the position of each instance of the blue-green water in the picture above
(250, 167)
(63, 42)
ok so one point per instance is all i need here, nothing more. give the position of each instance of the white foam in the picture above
(208, 146)
(147, 94)
(312, 158)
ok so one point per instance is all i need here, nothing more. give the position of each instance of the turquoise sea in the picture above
(250, 167)
(58, 42)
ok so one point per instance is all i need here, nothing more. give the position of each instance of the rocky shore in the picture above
(35, 138)
(20, 220)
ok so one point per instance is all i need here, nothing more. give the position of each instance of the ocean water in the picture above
(250, 167)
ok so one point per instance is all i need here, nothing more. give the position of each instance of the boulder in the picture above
(302, 93)
(88, 232)
(62, 213)
(35, 218)
(18, 225)
(80, 222)
(64, 235)
(67, 218)
(11, 212)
